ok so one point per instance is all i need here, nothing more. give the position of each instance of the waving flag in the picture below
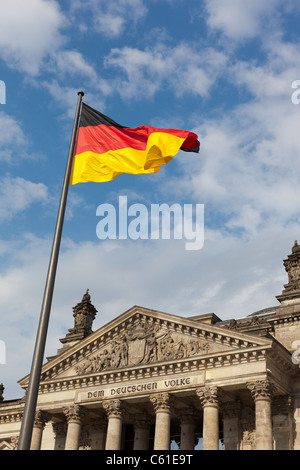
(105, 149)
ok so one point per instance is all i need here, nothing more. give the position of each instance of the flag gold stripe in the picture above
(91, 166)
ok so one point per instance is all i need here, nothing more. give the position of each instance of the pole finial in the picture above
(80, 93)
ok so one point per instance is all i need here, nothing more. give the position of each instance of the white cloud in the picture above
(248, 218)
(248, 165)
(13, 142)
(240, 19)
(109, 24)
(17, 195)
(248, 159)
(181, 68)
(66, 96)
(111, 18)
(272, 78)
(29, 32)
(73, 63)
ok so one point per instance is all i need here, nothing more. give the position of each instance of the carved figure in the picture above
(142, 344)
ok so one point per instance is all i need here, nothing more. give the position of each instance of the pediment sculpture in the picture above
(142, 343)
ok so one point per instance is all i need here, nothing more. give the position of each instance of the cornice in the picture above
(217, 360)
(285, 318)
(266, 322)
(12, 413)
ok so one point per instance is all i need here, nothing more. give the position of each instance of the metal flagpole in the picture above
(37, 361)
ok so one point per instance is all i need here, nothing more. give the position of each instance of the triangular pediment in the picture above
(4, 445)
(143, 337)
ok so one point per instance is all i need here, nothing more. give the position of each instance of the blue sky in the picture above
(221, 68)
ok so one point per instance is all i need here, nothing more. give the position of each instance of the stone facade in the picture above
(149, 378)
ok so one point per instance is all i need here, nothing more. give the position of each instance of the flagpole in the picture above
(37, 361)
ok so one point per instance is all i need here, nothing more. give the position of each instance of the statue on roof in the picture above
(291, 292)
(84, 315)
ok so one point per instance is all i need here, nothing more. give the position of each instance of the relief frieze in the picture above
(142, 343)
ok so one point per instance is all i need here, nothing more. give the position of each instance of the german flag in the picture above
(105, 149)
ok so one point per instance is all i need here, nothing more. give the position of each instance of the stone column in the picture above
(85, 439)
(114, 412)
(162, 407)
(296, 420)
(209, 397)
(141, 432)
(187, 429)
(282, 407)
(75, 415)
(59, 430)
(231, 425)
(261, 392)
(247, 424)
(38, 426)
(98, 434)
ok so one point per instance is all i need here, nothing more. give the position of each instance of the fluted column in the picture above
(162, 406)
(187, 429)
(210, 397)
(261, 392)
(41, 417)
(141, 432)
(74, 415)
(231, 425)
(114, 413)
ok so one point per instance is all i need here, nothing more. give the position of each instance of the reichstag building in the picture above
(149, 380)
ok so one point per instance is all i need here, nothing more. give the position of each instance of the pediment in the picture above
(142, 337)
(4, 445)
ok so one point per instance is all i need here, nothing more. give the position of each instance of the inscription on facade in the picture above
(139, 388)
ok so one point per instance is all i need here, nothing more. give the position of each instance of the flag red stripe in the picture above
(102, 138)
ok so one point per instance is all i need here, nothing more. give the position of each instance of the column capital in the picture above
(40, 419)
(113, 408)
(209, 396)
(261, 389)
(59, 429)
(161, 402)
(74, 414)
